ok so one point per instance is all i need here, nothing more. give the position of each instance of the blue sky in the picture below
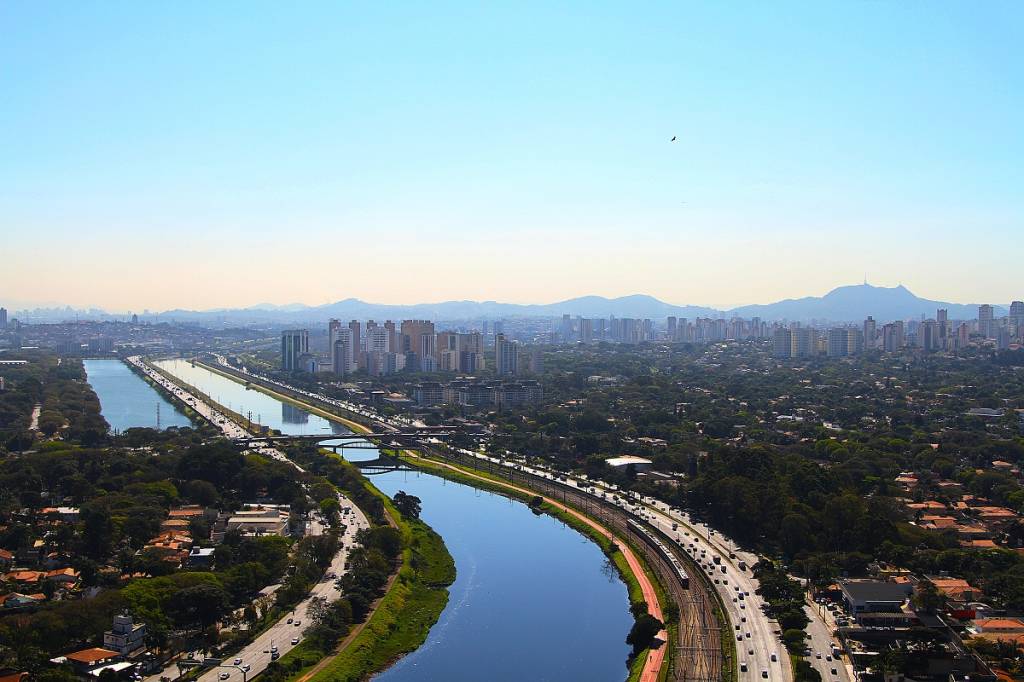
(398, 152)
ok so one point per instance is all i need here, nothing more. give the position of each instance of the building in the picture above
(638, 463)
(259, 520)
(506, 356)
(844, 341)
(418, 342)
(873, 596)
(985, 319)
(1016, 319)
(870, 332)
(294, 344)
(126, 637)
(3, 318)
(356, 340)
(428, 393)
(782, 343)
(343, 352)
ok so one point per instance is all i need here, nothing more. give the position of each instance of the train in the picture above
(651, 539)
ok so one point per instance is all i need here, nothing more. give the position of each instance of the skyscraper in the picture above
(357, 346)
(870, 331)
(1016, 318)
(506, 356)
(985, 321)
(343, 352)
(3, 318)
(333, 327)
(294, 344)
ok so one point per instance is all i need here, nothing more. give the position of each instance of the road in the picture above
(258, 654)
(820, 630)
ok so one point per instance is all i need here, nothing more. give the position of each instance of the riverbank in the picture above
(399, 621)
(649, 664)
(642, 586)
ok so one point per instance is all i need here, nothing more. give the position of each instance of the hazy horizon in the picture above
(13, 306)
(228, 154)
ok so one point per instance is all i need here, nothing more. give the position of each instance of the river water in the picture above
(533, 599)
(126, 400)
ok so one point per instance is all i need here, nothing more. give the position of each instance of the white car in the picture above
(224, 676)
(295, 640)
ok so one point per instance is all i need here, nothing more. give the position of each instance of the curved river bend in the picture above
(533, 600)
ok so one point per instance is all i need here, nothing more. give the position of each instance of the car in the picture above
(748, 635)
(223, 676)
(834, 671)
(764, 674)
(237, 661)
(298, 622)
(289, 621)
(743, 666)
(775, 657)
(817, 655)
(737, 627)
(739, 638)
(246, 668)
(295, 640)
(743, 619)
(750, 652)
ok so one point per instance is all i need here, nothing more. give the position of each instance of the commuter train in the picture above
(651, 539)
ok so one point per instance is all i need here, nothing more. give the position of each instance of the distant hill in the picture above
(843, 304)
(855, 303)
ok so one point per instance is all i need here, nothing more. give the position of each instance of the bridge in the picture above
(405, 440)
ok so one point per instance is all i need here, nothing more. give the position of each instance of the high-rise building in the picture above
(294, 344)
(333, 327)
(506, 356)
(394, 338)
(357, 345)
(985, 326)
(892, 337)
(670, 331)
(418, 344)
(870, 332)
(586, 330)
(1016, 318)
(343, 352)
(3, 318)
(782, 343)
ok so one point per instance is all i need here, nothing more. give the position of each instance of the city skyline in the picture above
(816, 143)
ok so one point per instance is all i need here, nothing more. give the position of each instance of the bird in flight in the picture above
(673, 139)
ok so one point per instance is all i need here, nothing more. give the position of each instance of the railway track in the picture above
(697, 646)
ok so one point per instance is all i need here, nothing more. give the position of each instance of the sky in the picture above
(212, 154)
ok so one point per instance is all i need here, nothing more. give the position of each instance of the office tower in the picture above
(928, 335)
(506, 356)
(985, 326)
(394, 338)
(892, 337)
(294, 344)
(418, 344)
(333, 327)
(782, 343)
(805, 342)
(471, 352)
(567, 335)
(499, 326)
(343, 352)
(963, 336)
(1016, 318)
(3, 318)
(586, 330)
(670, 331)
(357, 342)
(870, 331)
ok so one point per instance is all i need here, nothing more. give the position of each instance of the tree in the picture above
(408, 505)
(643, 633)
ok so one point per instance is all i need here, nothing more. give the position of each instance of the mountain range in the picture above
(843, 304)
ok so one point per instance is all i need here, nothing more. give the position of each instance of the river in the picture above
(126, 400)
(533, 599)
